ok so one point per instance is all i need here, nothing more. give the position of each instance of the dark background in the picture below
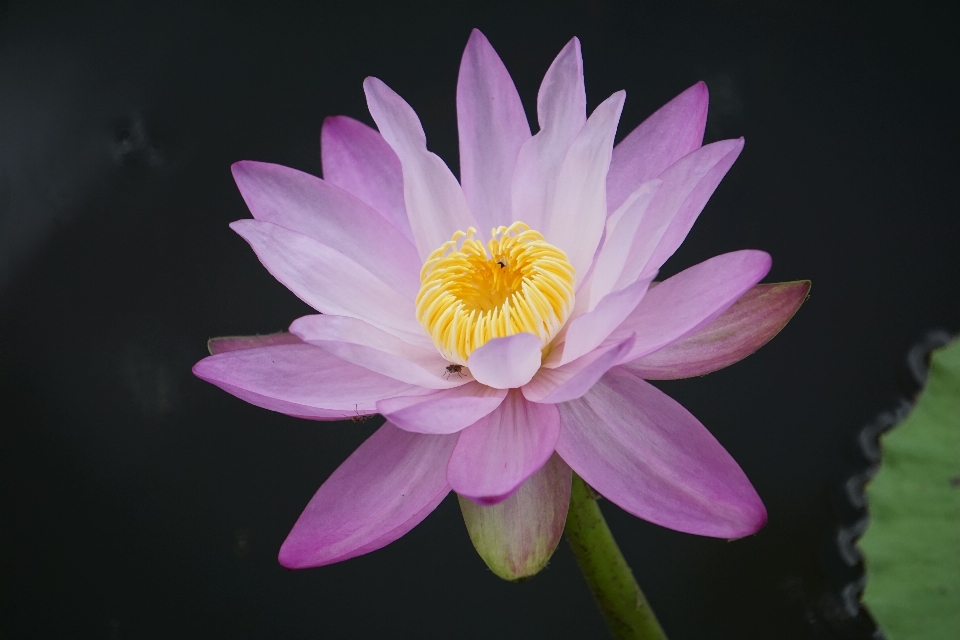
(139, 502)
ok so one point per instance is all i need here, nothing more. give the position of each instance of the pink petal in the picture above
(575, 221)
(647, 454)
(506, 363)
(680, 305)
(434, 200)
(749, 324)
(672, 132)
(446, 411)
(493, 127)
(562, 99)
(357, 159)
(585, 333)
(236, 343)
(562, 112)
(574, 379)
(621, 229)
(300, 380)
(516, 537)
(687, 185)
(306, 204)
(329, 281)
(496, 454)
(360, 343)
(384, 489)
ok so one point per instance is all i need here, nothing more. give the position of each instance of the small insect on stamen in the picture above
(501, 263)
(453, 368)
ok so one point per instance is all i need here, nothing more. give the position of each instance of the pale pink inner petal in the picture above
(329, 281)
(301, 380)
(584, 333)
(492, 128)
(356, 158)
(562, 112)
(672, 132)
(445, 411)
(435, 203)
(327, 213)
(621, 229)
(687, 185)
(384, 489)
(689, 300)
(647, 454)
(750, 323)
(574, 379)
(506, 363)
(360, 343)
(575, 220)
(496, 454)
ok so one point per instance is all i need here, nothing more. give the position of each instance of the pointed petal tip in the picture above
(698, 93)
(332, 120)
(754, 519)
(239, 166)
(289, 558)
(477, 37)
(372, 83)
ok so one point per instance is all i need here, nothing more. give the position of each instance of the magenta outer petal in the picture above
(357, 159)
(300, 380)
(506, 363)
(329, 281)
(434, 200)
(680, 305)
(384, 489)
(492, 127)
(236, 343)
(574, 379)
(516, 537)
(495, 455)
(672, 132)
(646, 453)
(325, 212)
(749, 324)
(447, 411)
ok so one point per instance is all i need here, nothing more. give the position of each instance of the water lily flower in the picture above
(503, 324)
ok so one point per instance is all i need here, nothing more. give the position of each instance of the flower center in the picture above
(470, 293)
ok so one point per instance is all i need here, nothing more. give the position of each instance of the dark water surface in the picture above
(139, 502)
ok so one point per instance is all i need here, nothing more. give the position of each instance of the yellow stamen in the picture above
(470, 293)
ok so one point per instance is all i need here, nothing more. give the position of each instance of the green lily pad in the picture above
(912, 545)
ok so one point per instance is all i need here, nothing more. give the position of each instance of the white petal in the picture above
(578, 214)
(435, 203)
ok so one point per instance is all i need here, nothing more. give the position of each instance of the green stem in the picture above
(624, 607)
